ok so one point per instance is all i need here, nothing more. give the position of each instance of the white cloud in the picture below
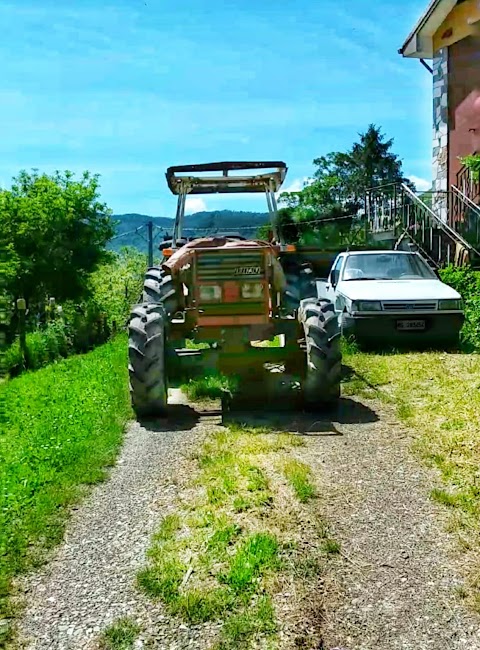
(296, 185)
(194, 204)
(421, 184)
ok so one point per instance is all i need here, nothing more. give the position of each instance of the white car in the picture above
(392, 297)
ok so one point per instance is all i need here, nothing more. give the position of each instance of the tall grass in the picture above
(59, 429)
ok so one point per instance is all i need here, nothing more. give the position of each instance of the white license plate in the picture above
(411, 325)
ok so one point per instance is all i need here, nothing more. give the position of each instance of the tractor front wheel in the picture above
(146, 355)
(323, 358)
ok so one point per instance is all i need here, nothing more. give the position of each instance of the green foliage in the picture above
(336, 192)
(60, 428)
(298, 475)
(116, 285)
(211, 386)
(112, 289)
(44, 346)
(254, 557)
(120, 636)
(210, 563)
(240, 628)
(467, 282)
(472, 163)
(56, 229)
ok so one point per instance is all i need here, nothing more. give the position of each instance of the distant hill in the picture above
(198, 224)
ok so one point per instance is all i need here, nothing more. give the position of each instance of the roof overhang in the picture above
(419, 44)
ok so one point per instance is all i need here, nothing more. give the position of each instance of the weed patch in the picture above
(298, 475)
(221, 559)
(120, 636)
(213, 386)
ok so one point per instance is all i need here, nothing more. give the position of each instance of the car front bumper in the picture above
(440, 329)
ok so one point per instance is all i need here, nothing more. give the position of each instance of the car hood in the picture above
(396, 290)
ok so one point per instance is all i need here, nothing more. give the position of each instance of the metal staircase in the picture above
(443, 226)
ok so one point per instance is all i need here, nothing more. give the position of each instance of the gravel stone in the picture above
(393, 587)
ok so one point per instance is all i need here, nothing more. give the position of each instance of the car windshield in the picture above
(386, 266)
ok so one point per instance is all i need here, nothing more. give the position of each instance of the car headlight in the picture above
(452, 304)
(210, 292)
(366, 305)
(252, 290)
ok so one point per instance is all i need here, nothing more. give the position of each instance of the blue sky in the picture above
(127, 88)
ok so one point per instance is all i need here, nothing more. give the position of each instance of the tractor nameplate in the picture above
(248, 270)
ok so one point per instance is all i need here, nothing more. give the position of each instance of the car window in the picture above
(335, 272)
(386, 266)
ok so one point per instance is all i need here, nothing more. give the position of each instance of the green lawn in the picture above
(438, 396)
(60, 427)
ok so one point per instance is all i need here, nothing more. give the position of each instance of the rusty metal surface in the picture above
(185, 178)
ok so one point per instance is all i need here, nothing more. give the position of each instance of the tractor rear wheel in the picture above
(158, 288)
(323, 358)
(146, 355)
(300, 286)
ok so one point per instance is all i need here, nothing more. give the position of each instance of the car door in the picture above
(333, 279)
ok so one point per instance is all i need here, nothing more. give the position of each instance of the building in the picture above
(446, 40)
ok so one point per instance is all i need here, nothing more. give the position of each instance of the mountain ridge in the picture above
(197, 224)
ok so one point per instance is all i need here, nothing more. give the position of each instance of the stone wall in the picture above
(440, 129)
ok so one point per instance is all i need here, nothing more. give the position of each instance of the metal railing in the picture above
(425, 221)
(468, 185)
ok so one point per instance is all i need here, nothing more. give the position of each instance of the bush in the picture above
(44, 346)
(467, 282)
(113, 288)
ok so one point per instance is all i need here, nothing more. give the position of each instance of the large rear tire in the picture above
(323, 357)
(300, 286)
(158, 288)
(146, 355)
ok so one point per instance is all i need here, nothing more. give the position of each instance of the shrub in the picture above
(467, 282)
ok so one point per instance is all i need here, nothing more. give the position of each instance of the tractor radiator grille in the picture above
(234, 266)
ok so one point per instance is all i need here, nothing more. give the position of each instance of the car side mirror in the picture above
(334, 278)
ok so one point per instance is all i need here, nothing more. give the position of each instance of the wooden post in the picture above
(22, 334)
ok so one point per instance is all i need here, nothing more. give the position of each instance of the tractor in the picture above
(228, 293)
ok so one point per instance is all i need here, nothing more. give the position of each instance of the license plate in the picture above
(411, 325)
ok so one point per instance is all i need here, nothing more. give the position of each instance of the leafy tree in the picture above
(55, 229)
(337, 190)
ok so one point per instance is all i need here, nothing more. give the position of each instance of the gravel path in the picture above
(391, 588)
(394, 585)
(90, 582)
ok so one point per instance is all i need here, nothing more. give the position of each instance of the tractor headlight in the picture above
(252, 290)
(210, 292)
(450, 305)
(366, 305)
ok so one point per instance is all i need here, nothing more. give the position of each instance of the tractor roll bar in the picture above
(190, 183)
(183, 180)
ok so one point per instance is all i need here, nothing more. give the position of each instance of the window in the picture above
(335, 273)
(387, 266)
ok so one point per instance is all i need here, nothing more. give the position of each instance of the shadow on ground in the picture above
(276, 406)
(292, 419)
(180, 417)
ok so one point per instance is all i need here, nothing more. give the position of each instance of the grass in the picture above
(437, 395)
(298, 475)
(211, 386)
(120, 636)
(331, 546)
(60, 427)
(221, 556)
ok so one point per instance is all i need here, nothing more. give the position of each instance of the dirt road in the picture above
(393, 585)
